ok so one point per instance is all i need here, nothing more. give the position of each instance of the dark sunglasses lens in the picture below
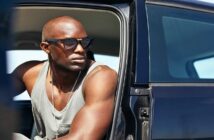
(86, 42)
(70, 43)
(52, 42)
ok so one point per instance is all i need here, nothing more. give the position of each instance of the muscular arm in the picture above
(93, 120)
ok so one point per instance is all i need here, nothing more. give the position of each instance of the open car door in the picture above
(106, 21)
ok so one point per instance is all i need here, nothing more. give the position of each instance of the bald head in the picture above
(63, 25)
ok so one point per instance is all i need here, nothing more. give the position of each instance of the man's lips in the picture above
(77, 60)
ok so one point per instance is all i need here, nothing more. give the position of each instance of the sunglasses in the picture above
(71, 43)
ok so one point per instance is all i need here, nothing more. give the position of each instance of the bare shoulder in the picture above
(101, 73)
(28, 68)
(101, 82)
(27, 73)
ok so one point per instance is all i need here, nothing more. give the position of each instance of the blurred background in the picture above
(7, 113)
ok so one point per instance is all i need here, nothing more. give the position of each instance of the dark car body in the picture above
(165, 72)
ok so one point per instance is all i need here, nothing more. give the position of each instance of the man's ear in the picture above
(45, 47)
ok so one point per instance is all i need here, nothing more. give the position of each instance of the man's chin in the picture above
(74, 68)
(77, 67)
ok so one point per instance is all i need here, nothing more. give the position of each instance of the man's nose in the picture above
(79, 48)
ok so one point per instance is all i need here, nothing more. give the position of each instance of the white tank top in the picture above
(44, 112)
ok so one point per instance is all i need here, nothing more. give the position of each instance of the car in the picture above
(163, 53)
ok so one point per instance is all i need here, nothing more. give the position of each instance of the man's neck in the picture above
(64, 79)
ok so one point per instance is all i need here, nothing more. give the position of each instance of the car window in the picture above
(178, 37)
(16, 57)
(27, 35)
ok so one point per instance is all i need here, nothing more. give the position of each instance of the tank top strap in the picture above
(92, 67)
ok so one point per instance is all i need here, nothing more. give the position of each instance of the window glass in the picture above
(27, 35)
(16, 57)
(178, 37)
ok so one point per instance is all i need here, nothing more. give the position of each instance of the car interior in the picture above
(102, 25)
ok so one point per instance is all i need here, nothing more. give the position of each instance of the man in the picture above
(72, 96)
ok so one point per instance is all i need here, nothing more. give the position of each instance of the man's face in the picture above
(71, 58)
